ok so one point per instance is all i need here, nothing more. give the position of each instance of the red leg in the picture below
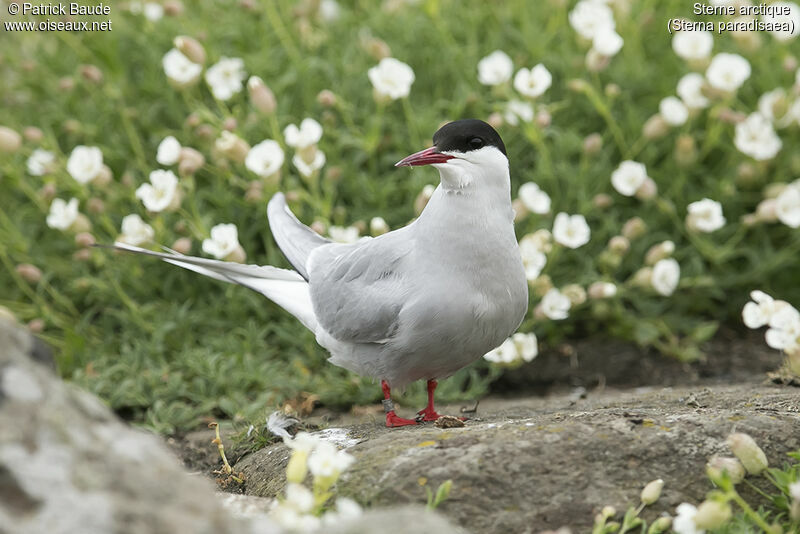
(429, 413)
(392, 419)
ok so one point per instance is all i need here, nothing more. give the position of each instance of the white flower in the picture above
(505, 353)
(85, 163)
(602, 290)
(516, 110)
(756, 138)
(555, 305)
(40, 162)
(571, 230)
(299, 498)
(226, 77)
(727, 72)
(378, 226)
(533, 258)
(784, 332)
(690, 89)
(673, 111)
(169, 150)
(793, 20)
(308, 134)
(536, 200)
(292, 520)
(160, 193)
(628, 177)
(307, 169)
(684, 521)
(391, 78)
(265, 159)
(342, 234)
(329, 10)
(607, 42)
(787, 205)
(180, 70)
(533, 82)
(666, 274)
(223, 242)
(705, 215)
(590, 17)
(135, 231)
(774, 105)
(794, 491)
(759, 312)
(527, 345)
(327, 461)
(693, 45)
(302, 442)
(62, 214)
(495, 69)
(153, 11)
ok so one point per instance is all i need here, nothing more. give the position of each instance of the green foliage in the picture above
(167, 348)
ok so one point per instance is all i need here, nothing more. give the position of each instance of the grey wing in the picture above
(295, 239)
(359, 290)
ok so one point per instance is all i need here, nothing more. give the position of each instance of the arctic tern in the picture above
(417, 303)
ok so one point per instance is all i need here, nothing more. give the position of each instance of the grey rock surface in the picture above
(68, 465)
(541, 463)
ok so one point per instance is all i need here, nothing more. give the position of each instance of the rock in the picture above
(68, 465)
(538, 463)
(403, 520)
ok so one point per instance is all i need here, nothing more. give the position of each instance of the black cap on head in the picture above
(466, 135)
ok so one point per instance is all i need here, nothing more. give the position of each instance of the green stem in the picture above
(757, 519)
(280, 30)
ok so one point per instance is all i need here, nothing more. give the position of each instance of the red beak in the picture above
(423, 157)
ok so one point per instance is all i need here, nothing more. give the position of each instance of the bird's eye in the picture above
(476, 142)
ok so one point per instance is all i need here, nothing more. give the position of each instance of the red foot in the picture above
(393, 420)
(427, 414)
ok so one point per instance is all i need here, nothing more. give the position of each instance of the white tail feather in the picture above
(285, 288)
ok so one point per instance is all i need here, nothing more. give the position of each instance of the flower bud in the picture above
(36, 325)
(66, 84)
(595, 61)
(173, 8)
(747, 40)
(541, 285)
(543, 119)
(82, 254)
(297, 467)
(232, 146)
(712, 514)
(495, 120)
(602, 290)
(10, 140)
(685, 150)
(95, 205)
(520, 210)
(81, 224)
(718, 465)
(261, 96)
(29, 273)
(578, 85)
(33, 134)
(642, 277)
(326, 98)
(608, 511)
(655, 127)
(652, 491)
(377, 226)
(659, 252)
(592, 144)
(71, 126)
(647, 190)
(633, 228)
(229, 124)
(376, 48)
(103, 177)
(190, 161)
(662, 524)
(182, 245)
(238, 255)
(319, 227)
(730, 116)
(748, 452)
(47, 192)
(790, 63)
(575, 293)
(619, 245)
(91, 73)
(766, 211)
(422, 199)
(191, 48)
(255, 191)
(84, 239)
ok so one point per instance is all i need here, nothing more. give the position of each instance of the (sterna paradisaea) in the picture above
(417, 303)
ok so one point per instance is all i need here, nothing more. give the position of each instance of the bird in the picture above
(416, 303)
